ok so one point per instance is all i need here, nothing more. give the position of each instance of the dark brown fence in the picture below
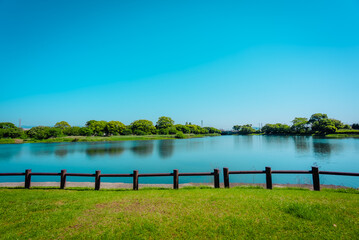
(268, 172)
(97, 175)
(175, 174)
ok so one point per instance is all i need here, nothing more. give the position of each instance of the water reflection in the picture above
(322, 149)
(7, 152)
(166, 148)
(243, 142)
(301, 144)
(276, 141)
(105, 150)
(143, 148)
(62, 152)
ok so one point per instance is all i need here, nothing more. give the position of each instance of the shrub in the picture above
(139, 132)
(180, 135)
(85, 131)
(172, 130)
(163, 131)
(127, 131)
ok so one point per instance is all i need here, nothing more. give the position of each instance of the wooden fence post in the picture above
(97, 180)
(63, 179)
(216, 178)
(175, 179)
(135, 179)
(27, 178)
(269, 177)
(226, 177)
(316, 182)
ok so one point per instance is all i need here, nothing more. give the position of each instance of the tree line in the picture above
(318, 124)
(164, 126)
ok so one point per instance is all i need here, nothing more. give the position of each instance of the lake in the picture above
(188, 155)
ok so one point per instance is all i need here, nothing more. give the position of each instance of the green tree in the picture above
(114, 128)
(236, 127)
(324, 126)
(85, 131)
(143, 127)
(11, 133)
(97, 127)
(72, 131)
(300, 125)
(7, 125)
(62, 125)
(213, 130)
(317, 117)
(164, 122)
(42, 132)
(182, 128)
(337, 123)
(246, 129)
(276, 129)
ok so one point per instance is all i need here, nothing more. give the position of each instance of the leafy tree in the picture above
(143, 127)
(85, 131)
(42, 132)
(180, 135)
(300, 125)
(11, 133)
(114, 128)
(317, 117)
(54, 132)
(276, 129)
(182, 128)
(127, 131)
(338, 124)
(164, 122)
(236, 127)
(355, 126)
(62, 125)
(72, 131)
(163, 131)
(97, 127)
(213, 130)
(172, 130)
(195, 129)
(7, 125)
(324, 126)
(246, 129)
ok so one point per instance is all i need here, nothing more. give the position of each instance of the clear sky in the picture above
(223, 62)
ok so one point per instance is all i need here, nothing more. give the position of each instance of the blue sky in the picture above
(223, 62)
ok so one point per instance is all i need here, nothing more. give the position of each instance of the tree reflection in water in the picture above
(166, 148)
(301, 144)
(322, 149)
(143, 148)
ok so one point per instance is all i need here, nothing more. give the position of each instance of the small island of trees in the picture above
(319, 124)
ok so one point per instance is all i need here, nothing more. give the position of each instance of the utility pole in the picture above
(20, 123)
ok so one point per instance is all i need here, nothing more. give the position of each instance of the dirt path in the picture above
(107, 185)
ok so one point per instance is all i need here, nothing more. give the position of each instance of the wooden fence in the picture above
(175, 174)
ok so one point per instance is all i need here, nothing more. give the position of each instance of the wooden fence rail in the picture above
(176, 174)
(268, 172)
(135, 175)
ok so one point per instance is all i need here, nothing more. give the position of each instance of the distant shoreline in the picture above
(102, 139)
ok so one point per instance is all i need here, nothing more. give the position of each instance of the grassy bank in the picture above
(239, 213)
(101, 139)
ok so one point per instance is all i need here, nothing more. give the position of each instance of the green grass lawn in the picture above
(192, 213)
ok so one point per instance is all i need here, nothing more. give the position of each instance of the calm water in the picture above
(188, 155)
